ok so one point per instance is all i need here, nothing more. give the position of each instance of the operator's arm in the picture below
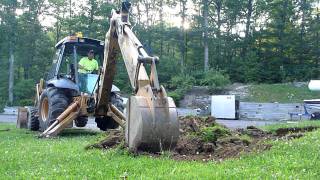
(81, 64)
(97, 66)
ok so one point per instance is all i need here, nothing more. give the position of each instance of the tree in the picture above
(10, 24)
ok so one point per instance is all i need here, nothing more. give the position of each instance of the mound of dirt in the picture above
(285, 131)
(193, 144)
(205, 140)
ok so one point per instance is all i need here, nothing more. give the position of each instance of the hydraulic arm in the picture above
(151, 117)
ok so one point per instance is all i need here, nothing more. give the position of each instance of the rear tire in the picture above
(105, 123)
(33, 121)
(81, 121)
(53, 102)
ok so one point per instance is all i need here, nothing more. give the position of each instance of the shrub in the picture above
(176, 96)
(26, 102)
(184, 82)
(216, 80)
(180, 85)
(24, 90)
(212, 134)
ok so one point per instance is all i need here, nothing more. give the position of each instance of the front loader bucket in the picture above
(151, 125)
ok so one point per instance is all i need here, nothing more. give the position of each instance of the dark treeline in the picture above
(203, 42)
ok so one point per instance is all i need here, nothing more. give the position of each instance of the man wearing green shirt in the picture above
(88, 65)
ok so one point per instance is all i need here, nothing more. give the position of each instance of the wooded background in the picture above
(199, 42)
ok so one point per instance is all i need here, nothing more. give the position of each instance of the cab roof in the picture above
(70, 40)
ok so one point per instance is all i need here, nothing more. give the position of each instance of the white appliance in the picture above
(224, 107)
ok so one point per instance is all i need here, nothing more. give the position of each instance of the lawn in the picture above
(24, 156)
(282, 93)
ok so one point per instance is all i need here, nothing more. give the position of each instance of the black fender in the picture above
(68, 84)
(63, 83)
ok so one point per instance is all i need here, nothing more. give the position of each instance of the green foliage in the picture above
(26, 102)
(246, 139)
(212, 134)
(216, 80)
(181, 84)
(24, 92)
(184, 82)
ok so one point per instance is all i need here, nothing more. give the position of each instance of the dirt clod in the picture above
(114, 138)
(4, 129)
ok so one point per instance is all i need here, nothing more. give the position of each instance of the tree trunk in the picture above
(11, 75)
(247, 31)
(205, 38)
(70, 16)
(91, 15)
(302, 32)
(218, 4)
(183, 33)
(161, 27)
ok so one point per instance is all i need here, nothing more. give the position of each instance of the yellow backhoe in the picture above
(66, 96)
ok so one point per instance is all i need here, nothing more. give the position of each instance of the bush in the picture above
(212, 134)
(216, 80)
(26, 102)
(180, 84)
(176, 96)
(183, 82)
(24, 91)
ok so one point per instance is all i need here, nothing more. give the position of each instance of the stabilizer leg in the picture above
(62, 121)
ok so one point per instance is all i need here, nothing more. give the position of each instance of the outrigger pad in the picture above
(151, 127)
(22, 119)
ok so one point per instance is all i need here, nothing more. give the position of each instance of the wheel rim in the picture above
(44, 109)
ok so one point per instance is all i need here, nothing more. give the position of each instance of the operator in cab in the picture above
(88, 65)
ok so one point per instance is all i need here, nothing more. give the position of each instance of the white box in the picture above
(223, 106)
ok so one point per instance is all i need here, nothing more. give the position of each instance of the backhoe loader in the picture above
(150, 122)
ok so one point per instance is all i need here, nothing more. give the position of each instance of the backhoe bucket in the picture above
(151, 125)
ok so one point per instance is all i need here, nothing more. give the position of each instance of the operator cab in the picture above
(69, 51)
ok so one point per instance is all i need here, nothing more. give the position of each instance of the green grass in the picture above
(282, 93)
(23, 156)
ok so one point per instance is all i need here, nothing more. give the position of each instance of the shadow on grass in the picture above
(78, 132)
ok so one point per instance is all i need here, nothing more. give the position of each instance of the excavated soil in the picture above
(285, 131)
(204, 140)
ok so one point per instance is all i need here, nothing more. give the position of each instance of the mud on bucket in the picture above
(151, 125)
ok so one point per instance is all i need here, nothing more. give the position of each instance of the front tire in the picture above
(53, 102)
